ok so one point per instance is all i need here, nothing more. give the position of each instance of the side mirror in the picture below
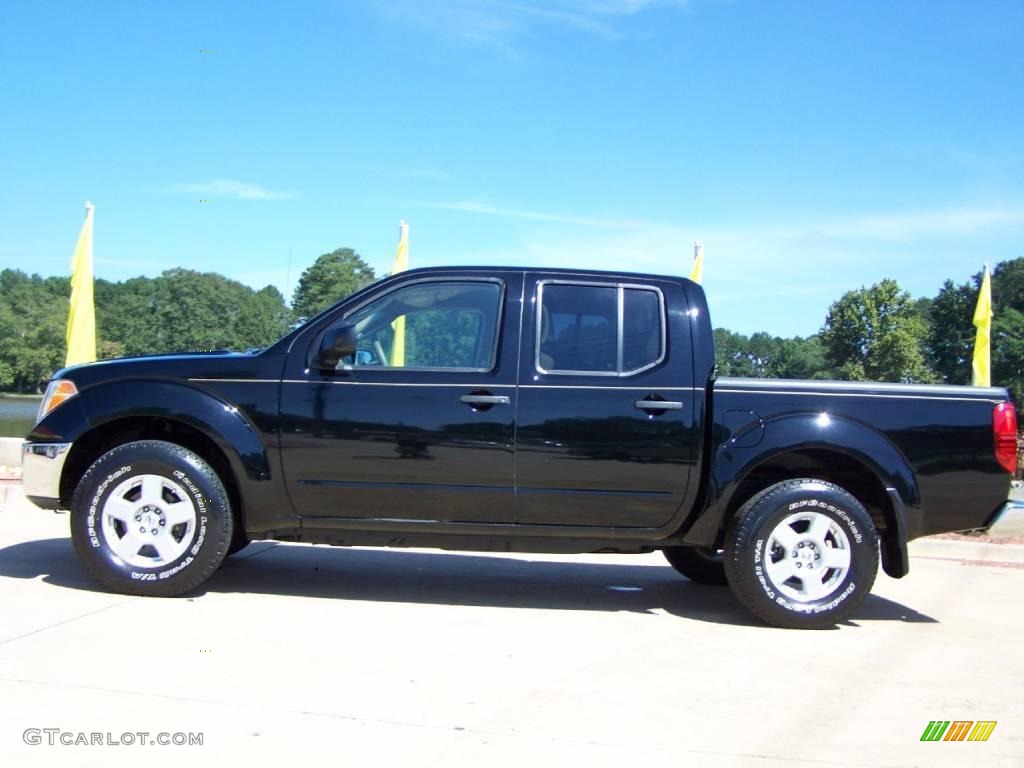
(336, 344)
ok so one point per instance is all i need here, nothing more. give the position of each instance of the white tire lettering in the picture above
(90, 518)
(94, 518)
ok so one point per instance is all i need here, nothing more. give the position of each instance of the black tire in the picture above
(180, 505)
(703, 565)
(816, 595)
(239, 541)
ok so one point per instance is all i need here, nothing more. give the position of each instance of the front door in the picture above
(606, 428)
(417, 425)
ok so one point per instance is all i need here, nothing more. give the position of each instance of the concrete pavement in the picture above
(423, 658)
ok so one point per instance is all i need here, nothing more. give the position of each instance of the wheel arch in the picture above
(216, 431)
(97, 441)
(844, 452)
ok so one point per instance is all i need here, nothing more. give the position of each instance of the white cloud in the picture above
(952, 222)
(239, 190)
(894, 226)
(474, 206)
(620, 7)
(435, 174)
(497, 22)
(779, 277)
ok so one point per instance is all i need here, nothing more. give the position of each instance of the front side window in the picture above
(602, 330)
(448, 325)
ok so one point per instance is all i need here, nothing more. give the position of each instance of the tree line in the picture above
(881, 333)
(876, 333)
(179, 310)
(176, 311)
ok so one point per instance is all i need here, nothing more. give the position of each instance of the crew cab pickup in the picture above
(511, 409)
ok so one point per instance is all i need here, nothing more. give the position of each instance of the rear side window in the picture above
(641, 329)
(601, 330)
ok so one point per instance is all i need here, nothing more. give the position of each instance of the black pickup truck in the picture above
(516, 410)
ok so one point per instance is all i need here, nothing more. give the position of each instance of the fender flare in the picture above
(734, 460)
(220, 421)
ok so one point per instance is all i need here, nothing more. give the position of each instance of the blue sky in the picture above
(814, 147)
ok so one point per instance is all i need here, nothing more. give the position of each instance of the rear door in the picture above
(605, 420)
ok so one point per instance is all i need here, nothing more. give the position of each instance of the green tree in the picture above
(732, 353)
(799, 358)
(263, 318)
(184, 310)
(950, 340)
(740, 355)
(197, 310)
(1007, 284)
(762, 355)
(128, 312)
(1008, 327)
(762, 349)
(1008, 353)
(180, 310)
(32, 327)
(332, 277)
(8, 331)
(875, 334)
(951, 332)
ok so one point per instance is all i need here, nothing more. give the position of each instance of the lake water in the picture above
(17, 415)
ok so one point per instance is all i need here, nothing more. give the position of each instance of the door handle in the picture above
(658, 405)
(485, 399)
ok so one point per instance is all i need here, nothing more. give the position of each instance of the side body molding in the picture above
(733, 461)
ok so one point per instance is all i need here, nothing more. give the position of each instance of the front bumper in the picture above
(1008, 521)
(41, 468)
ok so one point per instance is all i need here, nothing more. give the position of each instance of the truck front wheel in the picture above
(151, 518)
(802, 554)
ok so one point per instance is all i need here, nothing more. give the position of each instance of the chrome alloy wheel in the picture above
(148, 521)
(807, 556)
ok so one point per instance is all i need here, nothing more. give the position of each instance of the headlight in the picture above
(57, 392)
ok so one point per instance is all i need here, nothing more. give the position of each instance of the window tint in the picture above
(579, 324)
(578, 329)
(641, 332)
(429, 325)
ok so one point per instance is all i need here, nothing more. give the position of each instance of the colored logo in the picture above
(958, 730)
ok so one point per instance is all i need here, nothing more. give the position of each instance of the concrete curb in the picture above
(1011, 522)
(10, 451)
(967, 550)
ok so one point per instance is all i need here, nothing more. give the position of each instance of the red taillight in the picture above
(1004, 430)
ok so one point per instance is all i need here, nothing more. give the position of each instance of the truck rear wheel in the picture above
(239, 540)
(151, 518)
(703, 565)
(802, 554)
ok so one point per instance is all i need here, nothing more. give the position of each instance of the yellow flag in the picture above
(401, 264)
(81, 330)
(697, 273)
(983, 322)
